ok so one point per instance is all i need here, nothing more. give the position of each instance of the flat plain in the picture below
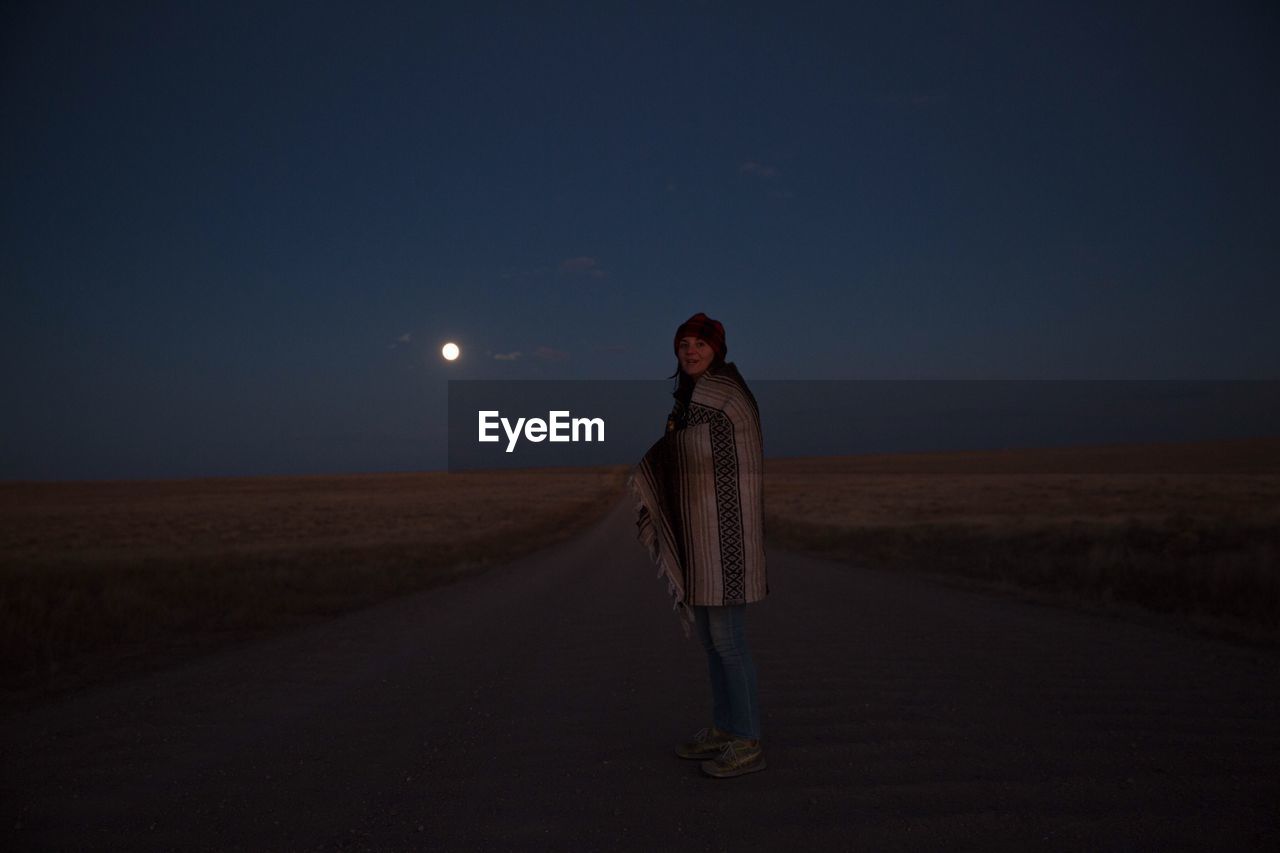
(1191, 531)
(535, 706)
(102, 579)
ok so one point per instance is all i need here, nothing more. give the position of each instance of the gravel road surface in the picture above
(536, 707)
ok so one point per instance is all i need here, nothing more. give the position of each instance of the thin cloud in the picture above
(544, 353)
(508, 356)
(403, 339)
(582, 265)
(759, 170)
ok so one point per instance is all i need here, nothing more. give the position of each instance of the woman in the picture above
(700, 512)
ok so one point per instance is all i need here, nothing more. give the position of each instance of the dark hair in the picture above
(683, 387)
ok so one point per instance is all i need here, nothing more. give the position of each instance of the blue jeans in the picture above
(734, 698)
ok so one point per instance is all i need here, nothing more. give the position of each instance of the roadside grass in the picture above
(1188, 531)
(99, 580)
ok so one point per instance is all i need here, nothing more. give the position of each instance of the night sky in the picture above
(237, 234)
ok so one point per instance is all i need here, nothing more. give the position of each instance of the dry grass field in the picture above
(101, 579)
(98, 579)
(1185, 529)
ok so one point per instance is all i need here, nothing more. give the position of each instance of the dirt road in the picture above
(536, 706)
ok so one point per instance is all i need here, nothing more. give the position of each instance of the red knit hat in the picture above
(702, 326)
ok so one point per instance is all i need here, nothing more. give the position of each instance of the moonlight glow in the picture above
(449, 351)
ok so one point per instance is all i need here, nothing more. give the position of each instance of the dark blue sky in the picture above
(236, 234)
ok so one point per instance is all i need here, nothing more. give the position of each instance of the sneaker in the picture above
(736, 758)
(706, 743)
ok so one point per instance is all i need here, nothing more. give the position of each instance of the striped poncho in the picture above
(699, 501)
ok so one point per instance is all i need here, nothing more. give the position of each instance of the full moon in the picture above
(449, 351)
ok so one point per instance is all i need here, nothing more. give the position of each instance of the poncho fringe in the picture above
(648, 536)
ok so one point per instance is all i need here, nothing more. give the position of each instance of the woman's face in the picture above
(695, 355)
